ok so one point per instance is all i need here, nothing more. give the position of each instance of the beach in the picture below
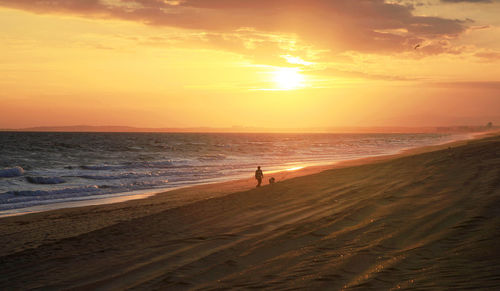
(423, 219)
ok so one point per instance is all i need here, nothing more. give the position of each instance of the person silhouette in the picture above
(259, 175)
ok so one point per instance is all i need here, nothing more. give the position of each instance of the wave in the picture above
(45, 180)
(102, 167)
(123, 176)
(147, 165)
(41, 193)
(11, 172)
(214, 157)
(27, 198)
(158, 164)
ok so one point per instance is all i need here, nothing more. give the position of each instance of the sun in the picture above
(288, 78)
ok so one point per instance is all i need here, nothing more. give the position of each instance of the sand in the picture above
(425, 219)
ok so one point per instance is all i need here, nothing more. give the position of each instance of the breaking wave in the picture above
(11, 172)
(45, 180)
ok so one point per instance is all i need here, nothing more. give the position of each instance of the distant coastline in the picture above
(242, 129)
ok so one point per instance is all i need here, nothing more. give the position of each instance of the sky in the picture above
(249, 63)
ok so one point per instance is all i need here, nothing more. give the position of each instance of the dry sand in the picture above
(426, 219)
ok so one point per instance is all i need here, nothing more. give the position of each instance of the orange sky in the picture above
(256, 63)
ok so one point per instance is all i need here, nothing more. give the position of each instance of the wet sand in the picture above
(425, 219)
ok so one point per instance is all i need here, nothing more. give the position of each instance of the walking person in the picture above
(259, 175)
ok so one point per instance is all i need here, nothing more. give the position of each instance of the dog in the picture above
(272, 180)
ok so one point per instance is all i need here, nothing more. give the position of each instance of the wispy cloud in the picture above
(489, 56)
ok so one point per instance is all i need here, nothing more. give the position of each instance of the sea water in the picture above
(46, 168)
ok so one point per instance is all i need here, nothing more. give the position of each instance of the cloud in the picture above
(374, 26)
(492, 85)
(339, 24)
(331, 71)
(488, 56)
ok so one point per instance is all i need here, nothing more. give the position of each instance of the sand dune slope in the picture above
(428, 221)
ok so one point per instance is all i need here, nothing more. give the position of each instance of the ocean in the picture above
(42, 168)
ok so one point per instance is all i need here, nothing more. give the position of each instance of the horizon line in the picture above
(249, 129)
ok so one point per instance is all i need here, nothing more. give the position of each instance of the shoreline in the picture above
(281, 175)
(116, 198)
(426, 218)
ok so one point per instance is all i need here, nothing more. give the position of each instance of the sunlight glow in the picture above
(288, 78)
(296, 60)
(153, 64)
